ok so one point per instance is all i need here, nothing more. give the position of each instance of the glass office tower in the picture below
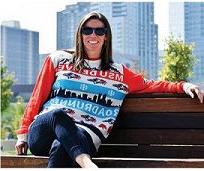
(20, 51)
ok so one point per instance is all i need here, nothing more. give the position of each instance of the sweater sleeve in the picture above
(138, 84)
(41, 92)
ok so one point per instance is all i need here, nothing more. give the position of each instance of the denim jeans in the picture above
(55, 134)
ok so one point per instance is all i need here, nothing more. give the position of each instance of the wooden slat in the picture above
(157, 136)
(151, 151)
(158, 95)
(38, 162)
(161, 105)
(23, 161)
(151, 163)
(160, 120)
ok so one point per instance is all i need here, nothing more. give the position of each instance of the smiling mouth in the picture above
(92, 42)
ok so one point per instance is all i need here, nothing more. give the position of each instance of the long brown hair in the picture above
(106, 52)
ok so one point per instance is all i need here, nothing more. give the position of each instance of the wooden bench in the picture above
(152, 130)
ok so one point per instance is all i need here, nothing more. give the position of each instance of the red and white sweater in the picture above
(92, 97)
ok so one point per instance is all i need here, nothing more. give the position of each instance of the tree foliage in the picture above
(6, 81)
(17, 112)
(11, 118)
(178, 60)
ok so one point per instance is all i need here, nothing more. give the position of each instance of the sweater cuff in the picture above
(186, 86)
(22, 137)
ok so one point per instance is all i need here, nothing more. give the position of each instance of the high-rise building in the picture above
(134, 34)
(67, 21)
(42, 58)
(20, 51)
(176, 19)
(11, 23)
(186, 20)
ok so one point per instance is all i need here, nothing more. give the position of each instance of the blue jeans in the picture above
(55, 134)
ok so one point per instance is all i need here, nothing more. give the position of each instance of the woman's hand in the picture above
(190, 88)
(21, 148)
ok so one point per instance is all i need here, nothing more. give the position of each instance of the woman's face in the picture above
(93, 40)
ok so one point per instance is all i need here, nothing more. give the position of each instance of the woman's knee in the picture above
(59, 113)
(60, 116)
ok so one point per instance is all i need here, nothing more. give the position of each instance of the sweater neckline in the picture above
(93, 64)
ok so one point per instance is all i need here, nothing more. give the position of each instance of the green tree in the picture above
(6, 81)
(11, 118)
(17, 112)
(178, 60)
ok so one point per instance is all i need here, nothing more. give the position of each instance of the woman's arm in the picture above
(41, 92)
(138, 84)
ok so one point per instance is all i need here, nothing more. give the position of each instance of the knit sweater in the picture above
(92, 97)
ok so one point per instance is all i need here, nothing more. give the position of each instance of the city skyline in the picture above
(134, 33)
(35, 20)
(98, 99)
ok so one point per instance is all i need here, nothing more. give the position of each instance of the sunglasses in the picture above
(99, 31)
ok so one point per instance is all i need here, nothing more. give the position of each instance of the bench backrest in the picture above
(157, 125)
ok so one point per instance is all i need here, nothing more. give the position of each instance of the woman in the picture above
(77, 98)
